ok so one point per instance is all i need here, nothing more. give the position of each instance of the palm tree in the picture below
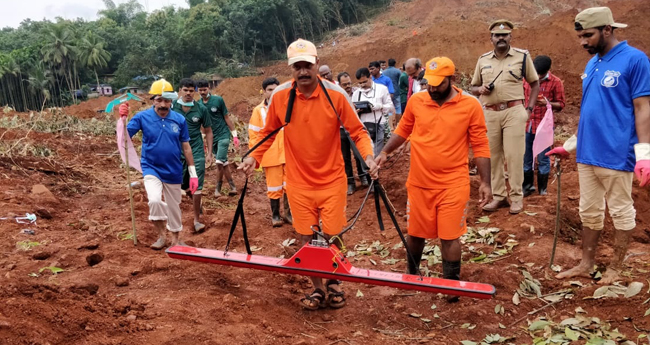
(40, 81)
(61, 50)
(93, 55)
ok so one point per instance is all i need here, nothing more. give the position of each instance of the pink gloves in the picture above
(235, 141)
(642, 167)
(124, 109)
(642, 172)
(194, 184)
(560, 151)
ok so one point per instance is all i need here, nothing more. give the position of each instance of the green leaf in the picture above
(515, 299)
(433, 306)
(570, 334)
(52, 269)
(425, 320)
(647, 312)
(415, 315)
(484, 219)
(478, 258)
(601, 292)
(390, 261)
(501, 326)
(537, 325)
(359, 294)
(497, 309)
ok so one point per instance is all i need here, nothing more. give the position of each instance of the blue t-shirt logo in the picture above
(175, 128)
(610, 79)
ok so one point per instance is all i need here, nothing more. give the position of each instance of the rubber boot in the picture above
(217, 192)
(529, 185)
(233, 188)
(451, 270)
(287, 210)
(542, 183)
(276, 220)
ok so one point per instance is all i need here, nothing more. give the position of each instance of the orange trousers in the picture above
(275, 181)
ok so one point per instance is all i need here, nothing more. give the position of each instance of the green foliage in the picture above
(42, 63)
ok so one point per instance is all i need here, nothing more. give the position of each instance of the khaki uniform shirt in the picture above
(509, 86)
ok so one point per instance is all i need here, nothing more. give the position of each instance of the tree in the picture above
(193, 3)
(61, 51)
(93, 55)
(40, 81)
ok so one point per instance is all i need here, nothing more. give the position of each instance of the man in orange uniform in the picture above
(273, 160)
(441, 123)
(316, 181)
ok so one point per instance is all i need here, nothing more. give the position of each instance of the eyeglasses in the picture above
(346, 84)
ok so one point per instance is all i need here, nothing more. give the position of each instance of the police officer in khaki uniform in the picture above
(498, 80)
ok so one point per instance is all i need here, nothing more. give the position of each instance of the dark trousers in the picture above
(543, 161)
(347, 158)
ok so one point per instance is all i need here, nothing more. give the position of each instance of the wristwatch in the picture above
(529, 108)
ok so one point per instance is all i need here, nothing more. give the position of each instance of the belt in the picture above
(503, 106)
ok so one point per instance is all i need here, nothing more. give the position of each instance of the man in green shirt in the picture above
(196, 116)
(222, 129)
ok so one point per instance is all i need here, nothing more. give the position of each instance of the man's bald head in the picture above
(412, 67)
(326, 73)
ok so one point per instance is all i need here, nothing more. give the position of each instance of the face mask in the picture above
(188, 104)
(170, 95)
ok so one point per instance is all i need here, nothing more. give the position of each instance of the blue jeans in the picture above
(544, 162)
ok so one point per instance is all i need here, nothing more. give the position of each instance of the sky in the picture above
(15, 11)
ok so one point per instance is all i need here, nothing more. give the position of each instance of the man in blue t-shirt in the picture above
(375, 71)
(393, 74)
(613, 139)
(164, 139)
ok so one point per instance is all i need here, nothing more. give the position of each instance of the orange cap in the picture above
(301, 50)
(437, 69)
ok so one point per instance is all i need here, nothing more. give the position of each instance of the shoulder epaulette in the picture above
(523, 51)
(488, 53)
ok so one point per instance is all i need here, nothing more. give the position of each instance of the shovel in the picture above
(558, 173)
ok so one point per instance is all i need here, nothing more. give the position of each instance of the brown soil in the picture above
(112, 292)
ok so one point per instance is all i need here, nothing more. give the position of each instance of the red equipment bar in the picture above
(329, 263)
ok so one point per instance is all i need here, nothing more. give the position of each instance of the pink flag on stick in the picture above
(544, 135)
(134, 159)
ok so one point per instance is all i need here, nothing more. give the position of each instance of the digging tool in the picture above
(558, 173)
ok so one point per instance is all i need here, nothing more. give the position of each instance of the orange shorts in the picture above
(307, 205)
(433, 213)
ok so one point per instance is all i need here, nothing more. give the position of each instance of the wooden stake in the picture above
(558, 169)
(128, 182)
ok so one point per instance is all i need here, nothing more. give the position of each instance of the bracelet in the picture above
(192, 170)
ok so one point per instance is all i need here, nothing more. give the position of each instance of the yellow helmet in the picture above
(163, 88)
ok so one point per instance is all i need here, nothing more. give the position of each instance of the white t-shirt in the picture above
(379, 97)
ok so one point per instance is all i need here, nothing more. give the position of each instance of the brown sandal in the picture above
(335, 299)
(315, 300)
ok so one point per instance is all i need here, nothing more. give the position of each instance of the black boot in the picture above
(287, 211)
(542, 183)
(529, 185)
(451, 270)
(276, 221)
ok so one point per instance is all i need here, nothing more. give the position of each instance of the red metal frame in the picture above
(330, 263)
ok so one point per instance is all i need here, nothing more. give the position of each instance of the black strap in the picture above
(523, 67)
(239, 213)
